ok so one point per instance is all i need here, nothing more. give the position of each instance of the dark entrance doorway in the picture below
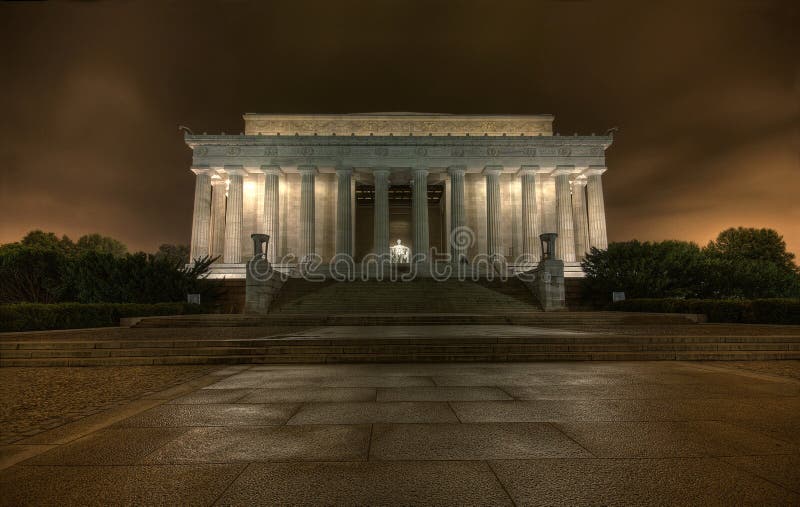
(400, 221)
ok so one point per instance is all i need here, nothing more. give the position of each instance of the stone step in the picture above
(371, 296)
(410, 357)
(542, 319)
(292, 349)
(111, 347)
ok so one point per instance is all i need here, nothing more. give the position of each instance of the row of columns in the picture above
(580, 222)
(219, 212)
(579, 227)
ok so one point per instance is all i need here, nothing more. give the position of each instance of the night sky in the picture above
(706, 97)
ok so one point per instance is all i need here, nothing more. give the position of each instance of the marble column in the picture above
(233, 215)
(380, 225)
(419, 205)
(579, 220)
(201, 218)
(493, 232)
(307, 237)
(272, 202)
(344, 215)
(596, 208)
(218, 197)
(565, 243)
(531, 246)
(459, 239)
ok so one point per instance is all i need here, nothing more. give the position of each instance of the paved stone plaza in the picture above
(582, 433)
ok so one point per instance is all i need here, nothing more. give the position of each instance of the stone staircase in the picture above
(484, 297)
(428, 321)
(375, 345)
(575, 320)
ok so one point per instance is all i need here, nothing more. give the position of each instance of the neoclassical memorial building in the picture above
(357, 184)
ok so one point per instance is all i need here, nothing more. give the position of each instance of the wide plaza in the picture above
(537, 433)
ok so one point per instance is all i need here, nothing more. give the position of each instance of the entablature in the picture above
(474, 152)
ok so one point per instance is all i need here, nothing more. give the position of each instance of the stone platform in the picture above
(590, 433)
(419, 338)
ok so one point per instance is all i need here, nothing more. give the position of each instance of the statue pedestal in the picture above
(549, 285)
(262, 285)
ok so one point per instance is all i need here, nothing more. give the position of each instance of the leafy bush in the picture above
(36, 317)
(135, 278)
(741, 263)
(31, 273)
(45, 269)
(755, 311)
(645, 269)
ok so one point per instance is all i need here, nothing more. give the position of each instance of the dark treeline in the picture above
(43, 268)
(742, 263)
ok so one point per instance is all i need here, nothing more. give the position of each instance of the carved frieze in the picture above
(398, 124)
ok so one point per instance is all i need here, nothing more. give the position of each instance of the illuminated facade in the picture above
(354, 184)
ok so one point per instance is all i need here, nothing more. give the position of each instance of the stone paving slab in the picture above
(111, 446)
(780, 469)
(202, 396)
(471, 442)
(309, 394)
(546, 410)
(339, 381)
(279, 443)
(454, 483)
(671, 439)
(714, 409)
(646, 390)
(213, 415)
(636, 482)
(116, 485)
(780, 428)
(371, 412)
(14, 453)
(441, 394)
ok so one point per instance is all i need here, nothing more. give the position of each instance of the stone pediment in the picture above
(397, 124)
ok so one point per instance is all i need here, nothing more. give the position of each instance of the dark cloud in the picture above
(705, 94)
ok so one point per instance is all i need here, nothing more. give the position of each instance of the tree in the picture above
(178, 254)
(741, 263)
(136, 278)
(644, 269)
(742, 243)
(32, 272)
(47, 241)
(100, 244)
(748, 278)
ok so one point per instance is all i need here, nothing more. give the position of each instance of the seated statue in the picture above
(401, 254)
